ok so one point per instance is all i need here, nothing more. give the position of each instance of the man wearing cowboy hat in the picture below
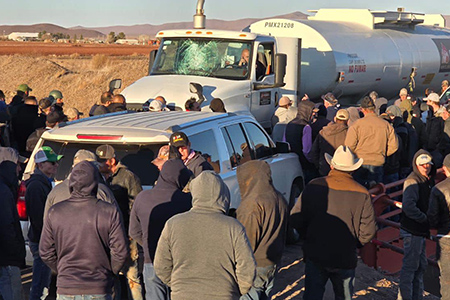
(334, 216)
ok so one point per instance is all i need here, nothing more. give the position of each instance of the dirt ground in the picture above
(81, 79)
(41, 48)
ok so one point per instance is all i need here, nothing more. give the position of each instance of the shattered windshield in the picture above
(203, 57)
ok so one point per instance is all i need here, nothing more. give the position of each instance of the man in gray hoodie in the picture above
(84, 274)
(203, 253)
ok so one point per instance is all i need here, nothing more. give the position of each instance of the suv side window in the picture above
(237, 145)
(259, 142)
(205, 142)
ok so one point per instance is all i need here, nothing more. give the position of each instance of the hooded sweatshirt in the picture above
(329, 139)
(12, 249)
(203, 253)
(416, 195)
(263, 212)
(154, 207)
(88, 247)
(38, 188)
(294, 131)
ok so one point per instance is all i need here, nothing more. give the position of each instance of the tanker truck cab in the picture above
(238, 67)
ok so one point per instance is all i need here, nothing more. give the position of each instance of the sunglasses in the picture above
(52, 162)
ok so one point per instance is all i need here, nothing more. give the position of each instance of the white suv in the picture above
(227, 139)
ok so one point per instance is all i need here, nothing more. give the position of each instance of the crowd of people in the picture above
(179, 241)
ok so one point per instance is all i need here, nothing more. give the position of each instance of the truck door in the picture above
(263, 102)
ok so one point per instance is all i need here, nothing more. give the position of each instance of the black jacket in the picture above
(154, 207)
(439, 207)
(23, 124)
(434, 132)
(416, 195)
(294, 131)
(12, 249)
(334, 215)
(38, 188)
(87, 247)
(115, 107)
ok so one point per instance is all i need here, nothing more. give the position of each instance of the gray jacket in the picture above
(198, 164)
(61, 192)
(439, 207)
(203, 253)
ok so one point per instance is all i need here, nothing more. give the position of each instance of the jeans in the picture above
(155, 289)
(11, 283)
(41, 275)
(443, 256)
(343, 281)
(132, 273)
(84, 297)
(262, 285)
(414, 265)
(366, 175)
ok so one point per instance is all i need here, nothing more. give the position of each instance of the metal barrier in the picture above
(381, 201)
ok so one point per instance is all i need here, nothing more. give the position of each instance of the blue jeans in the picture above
(41, 275)
(414, 265)
(132, 273)
(262, 285)
(155, 289)
(317, 276)
(11, 283)
(367, 174)
(84, 297)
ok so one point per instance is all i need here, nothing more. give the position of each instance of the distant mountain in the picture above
(151, 30)
(50, 28)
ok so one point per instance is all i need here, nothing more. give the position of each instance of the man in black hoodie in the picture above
(294, 135)
(151, 210)
(65, 239)
(38, 187)
(414, 225)
(12, 250)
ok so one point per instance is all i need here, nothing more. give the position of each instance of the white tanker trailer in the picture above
(349, 52)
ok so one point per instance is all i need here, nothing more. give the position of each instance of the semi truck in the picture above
(349, 52)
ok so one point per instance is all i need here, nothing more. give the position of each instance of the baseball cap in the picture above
(46, 154)
(342, 114)
(83, 154)
(105, 152)
(367, 103)
(11, 154)
(45, 103)
(423, 159)
(72, 113)
(403, 92)
(329, 97)
(394, 111)
(432, 97)
(24, 88)
(179, 139)
(155, 105)
(284, 101)
(163, 154)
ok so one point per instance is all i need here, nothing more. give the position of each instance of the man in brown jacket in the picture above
(372, 139)
(334, 215)
(263, 212)
(329, 138)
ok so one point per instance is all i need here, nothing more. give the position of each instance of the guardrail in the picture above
(382, 199)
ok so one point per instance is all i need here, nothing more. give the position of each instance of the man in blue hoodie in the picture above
(151, 209)
(38, 187)
(66, 236)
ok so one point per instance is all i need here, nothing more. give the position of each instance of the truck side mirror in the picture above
(151, 60)
(283, 147)
(280, 68)
(115, 84)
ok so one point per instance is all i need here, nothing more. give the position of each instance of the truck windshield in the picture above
(203, 57)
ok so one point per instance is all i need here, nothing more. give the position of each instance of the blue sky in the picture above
(96, 13)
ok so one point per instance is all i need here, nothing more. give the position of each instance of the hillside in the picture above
(51, 28)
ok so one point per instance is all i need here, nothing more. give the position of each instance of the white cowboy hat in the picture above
(344, 160)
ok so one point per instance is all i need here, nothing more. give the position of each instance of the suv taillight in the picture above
(21, 207)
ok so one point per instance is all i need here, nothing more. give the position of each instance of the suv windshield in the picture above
(138, 158)
(202, 57)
